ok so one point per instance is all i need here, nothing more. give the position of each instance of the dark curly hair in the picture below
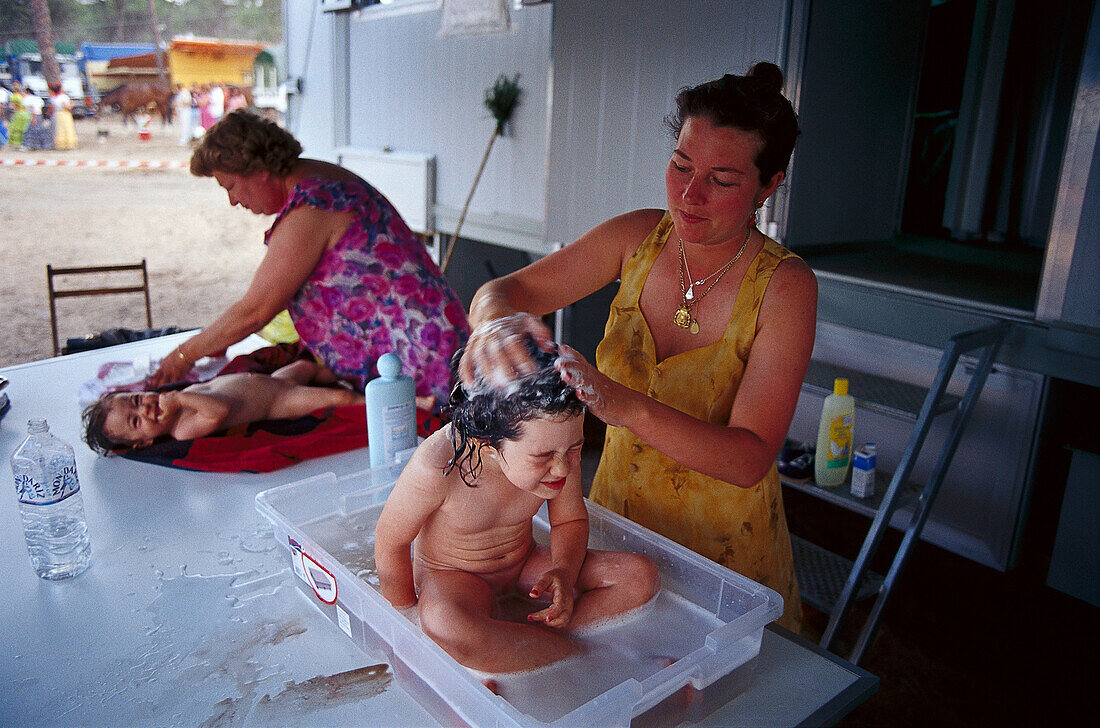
(491, 416)
(244, 143)
(753, 102)
(94, 419)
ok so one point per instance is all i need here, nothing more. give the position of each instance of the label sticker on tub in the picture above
(318, 577)
(296, 560)
(343, 620)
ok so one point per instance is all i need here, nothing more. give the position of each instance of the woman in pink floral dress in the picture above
(356, 281)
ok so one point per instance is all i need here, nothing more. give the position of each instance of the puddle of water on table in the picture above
(214, 647)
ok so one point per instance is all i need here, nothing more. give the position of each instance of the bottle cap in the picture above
(389, 366)
(840, 386)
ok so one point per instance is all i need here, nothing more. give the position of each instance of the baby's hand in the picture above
(168, 402)
(560, 612)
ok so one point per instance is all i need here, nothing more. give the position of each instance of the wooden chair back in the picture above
(127, 269)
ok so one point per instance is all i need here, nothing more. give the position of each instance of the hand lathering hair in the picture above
(488, 416)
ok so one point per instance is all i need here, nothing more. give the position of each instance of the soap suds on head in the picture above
(505, 339)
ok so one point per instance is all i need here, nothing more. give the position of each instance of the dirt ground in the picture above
(200, 252)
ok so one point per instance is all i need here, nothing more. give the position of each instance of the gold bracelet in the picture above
(179, 350)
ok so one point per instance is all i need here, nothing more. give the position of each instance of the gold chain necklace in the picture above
(683, 317)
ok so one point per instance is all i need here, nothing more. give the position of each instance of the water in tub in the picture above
(636, 645)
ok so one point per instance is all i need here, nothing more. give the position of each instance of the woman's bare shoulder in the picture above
(619, 236)
(634, 225)
(315, 225)
(791, 294)
(794, 279)
(317, 169)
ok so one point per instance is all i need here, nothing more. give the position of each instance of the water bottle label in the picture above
(38, 493)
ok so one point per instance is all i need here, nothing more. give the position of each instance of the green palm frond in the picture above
(502, 99)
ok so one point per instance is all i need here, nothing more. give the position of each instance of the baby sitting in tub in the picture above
(465, 503)
(136, 419)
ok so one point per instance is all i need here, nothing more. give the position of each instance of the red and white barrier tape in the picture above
(89, 163)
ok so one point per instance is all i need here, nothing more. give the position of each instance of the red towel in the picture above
(262, 447)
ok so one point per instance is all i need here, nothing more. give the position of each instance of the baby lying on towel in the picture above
(136, 419)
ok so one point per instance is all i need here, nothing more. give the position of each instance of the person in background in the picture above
(236, 100)
(181, 105)
(707, 342)
(216, 108)
(5, 112)
(20, 117)
(356, 281)
(64, 128)
(34, 103)
(197, 129)
(39, 135)
(206, 116)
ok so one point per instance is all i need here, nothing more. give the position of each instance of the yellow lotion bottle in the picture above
(834, 436)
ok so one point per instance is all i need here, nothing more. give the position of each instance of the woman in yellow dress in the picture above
(706, 344)
(64, 136)
(20, 118)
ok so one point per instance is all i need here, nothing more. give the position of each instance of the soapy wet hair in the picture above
(753, 102)
(488, 416)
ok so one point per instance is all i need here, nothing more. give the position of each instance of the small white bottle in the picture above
(863, 471)
(391, 412)
(834, 436)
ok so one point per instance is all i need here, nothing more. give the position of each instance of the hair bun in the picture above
(769, 76)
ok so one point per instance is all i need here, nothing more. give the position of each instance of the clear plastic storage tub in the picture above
(706, 622)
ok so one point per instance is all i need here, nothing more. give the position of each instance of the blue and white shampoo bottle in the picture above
(391, 412)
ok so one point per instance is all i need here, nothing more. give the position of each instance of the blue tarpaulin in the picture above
(107, 51)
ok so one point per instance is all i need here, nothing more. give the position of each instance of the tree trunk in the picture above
(120, 20)
(162, 72)
(43, 33)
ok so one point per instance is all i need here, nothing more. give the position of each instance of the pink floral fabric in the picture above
(376, 291)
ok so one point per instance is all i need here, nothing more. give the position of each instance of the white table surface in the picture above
(189, 614)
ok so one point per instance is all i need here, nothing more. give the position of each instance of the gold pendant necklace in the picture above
(682, 317)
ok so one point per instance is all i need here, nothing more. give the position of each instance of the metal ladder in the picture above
(832, 583)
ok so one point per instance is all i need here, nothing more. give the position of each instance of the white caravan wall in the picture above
(413, 91)
(618, 65)
(308, 34)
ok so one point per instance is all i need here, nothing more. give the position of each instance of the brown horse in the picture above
(133, 97)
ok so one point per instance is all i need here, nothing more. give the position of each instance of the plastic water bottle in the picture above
(44, 467)
(391, 412)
